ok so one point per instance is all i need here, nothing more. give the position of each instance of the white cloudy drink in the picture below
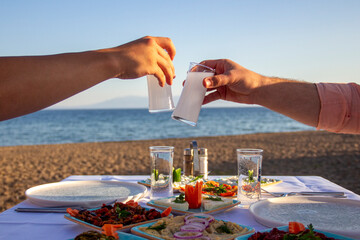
(192, 96)
(160, 98)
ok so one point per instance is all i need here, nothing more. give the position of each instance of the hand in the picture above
(231, 82)
(145, 56)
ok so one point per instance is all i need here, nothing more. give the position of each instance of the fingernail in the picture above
(207, 82)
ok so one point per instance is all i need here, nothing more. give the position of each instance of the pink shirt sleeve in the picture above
(340, 107)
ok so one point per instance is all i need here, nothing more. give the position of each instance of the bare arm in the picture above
(28, 84)
(232, 82)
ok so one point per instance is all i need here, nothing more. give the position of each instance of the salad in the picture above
(218, 189)
(297, 231)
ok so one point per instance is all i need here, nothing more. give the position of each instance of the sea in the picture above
(108, 125)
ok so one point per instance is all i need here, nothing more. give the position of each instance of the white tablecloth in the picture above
(16, 225)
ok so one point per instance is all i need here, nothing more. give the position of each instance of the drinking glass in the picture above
(161, 171)
(249, 175)
(188, 108)
(160, 98)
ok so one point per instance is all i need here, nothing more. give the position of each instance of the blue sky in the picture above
(314, 41)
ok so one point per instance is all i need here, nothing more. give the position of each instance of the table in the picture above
(16, 225)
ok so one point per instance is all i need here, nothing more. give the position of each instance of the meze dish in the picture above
(233, 181)
(124, 215)
(294, 231)
(193, 201)
(192, 226)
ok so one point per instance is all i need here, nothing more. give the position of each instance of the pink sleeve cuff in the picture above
(340, 107)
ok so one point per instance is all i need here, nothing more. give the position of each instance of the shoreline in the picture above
(335, 157)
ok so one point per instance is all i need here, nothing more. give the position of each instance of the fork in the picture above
(287, 194)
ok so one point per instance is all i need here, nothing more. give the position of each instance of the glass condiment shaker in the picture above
(203, 160)
(188, 165)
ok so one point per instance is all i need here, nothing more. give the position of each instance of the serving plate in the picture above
(286, 228)
(335, 215)
(197, 210)
(124, 236)
(88, 194)
(125, 228)
(136, 230)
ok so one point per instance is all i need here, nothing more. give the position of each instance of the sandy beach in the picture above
(335, 157)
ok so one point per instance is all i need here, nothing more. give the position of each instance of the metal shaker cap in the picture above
(203, 151)
(188, 151)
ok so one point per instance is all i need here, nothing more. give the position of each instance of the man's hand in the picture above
(145, 56)
(231, 82)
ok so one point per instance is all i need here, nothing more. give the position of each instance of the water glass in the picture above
(161, 171)
(192, 96)
(160, 98)
(249, 175)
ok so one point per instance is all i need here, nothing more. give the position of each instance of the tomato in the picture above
(296, 227)
(227, 194)
(166, 212)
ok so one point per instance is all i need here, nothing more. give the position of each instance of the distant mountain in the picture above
(121, 102)
(139, 102)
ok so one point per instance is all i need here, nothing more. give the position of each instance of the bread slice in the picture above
(169, 202)
(209, 205)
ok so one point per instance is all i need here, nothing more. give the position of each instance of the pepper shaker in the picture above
(188, 162)
(194, 147)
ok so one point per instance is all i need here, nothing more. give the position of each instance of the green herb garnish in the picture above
(251, 175)
(214, 198)
(156, 174)
(180, 198)
(223, 229)
(159, 227)
(197, 178)
(123, 214)
(177, 175)
(210, 185)
(220, 189)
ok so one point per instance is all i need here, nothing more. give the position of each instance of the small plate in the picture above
(143, 182)
(335, 215)
(198, 210)
(88, 194)
(286, 228)
(136, 230)
(94, 227)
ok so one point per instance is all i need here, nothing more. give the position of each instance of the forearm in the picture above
(295, 99)
(28, 84)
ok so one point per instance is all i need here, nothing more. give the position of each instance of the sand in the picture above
(335, 157)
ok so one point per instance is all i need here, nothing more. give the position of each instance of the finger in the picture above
(166, 44)
(216, 81)
(159, 74)
(166, 56)
(166, 69)
(212, 97)
(210, 63)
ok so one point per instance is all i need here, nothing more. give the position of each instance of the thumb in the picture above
(216, 81)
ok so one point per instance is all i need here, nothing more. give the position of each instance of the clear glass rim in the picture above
(202, 65)
(161, 148)
(249, 150)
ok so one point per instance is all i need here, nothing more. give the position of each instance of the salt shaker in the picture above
(203, 160)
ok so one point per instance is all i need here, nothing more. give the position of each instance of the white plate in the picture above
(198, 210)
(87, 194)
(339, 216)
